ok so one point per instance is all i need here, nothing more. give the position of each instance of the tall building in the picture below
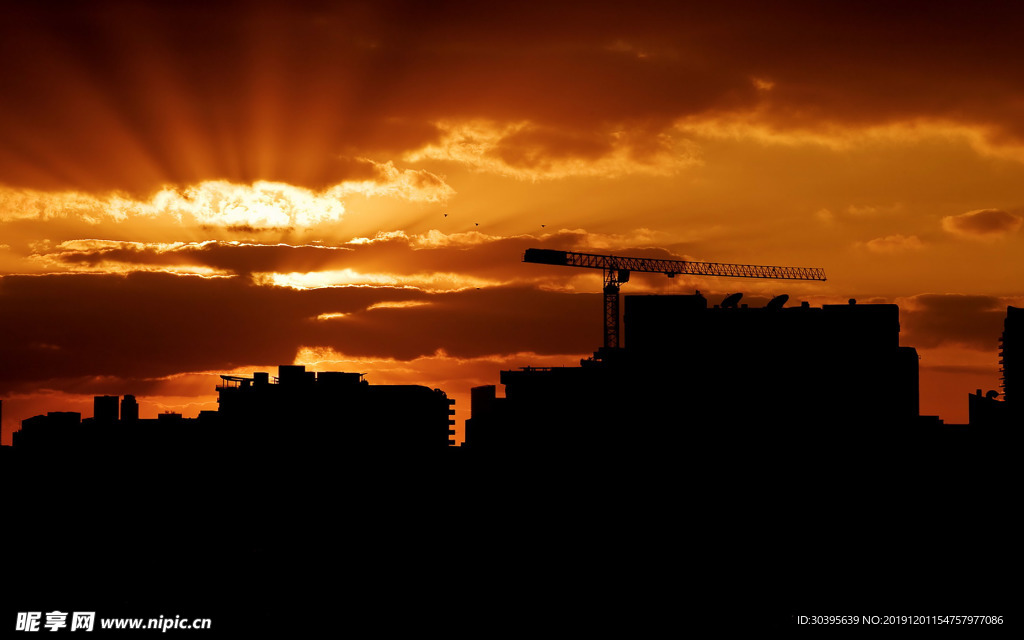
(1011, 356)
(988, 410)
(129, 409)
(104, 409)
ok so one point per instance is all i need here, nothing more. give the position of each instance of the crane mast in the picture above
(617, 269)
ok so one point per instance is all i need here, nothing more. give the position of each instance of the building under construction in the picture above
(690, 371)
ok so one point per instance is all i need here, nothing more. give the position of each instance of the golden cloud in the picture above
(764, 124)
(896, 243)
(353, 278)
(219, 203)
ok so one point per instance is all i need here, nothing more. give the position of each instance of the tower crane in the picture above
(617, 268)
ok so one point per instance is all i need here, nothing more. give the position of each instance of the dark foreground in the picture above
(627, 542)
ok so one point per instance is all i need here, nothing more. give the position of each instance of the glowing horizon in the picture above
(351, 181)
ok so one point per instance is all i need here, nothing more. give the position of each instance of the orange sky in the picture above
(188, 190)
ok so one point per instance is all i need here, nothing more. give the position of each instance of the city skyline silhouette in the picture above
(628, 432)
(838, 364)
(253, 256)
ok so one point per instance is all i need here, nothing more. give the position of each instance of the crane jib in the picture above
(617, 268)
(670, 267)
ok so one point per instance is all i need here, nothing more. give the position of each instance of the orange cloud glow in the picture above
(354, 184)
(221, 203)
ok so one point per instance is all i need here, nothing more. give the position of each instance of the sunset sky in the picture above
(196, 188)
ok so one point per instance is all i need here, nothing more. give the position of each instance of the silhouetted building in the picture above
(129, 409)
(57, 430)
(986, 410)
(836, 364)
(989, 410)
(297, 413)
(486, 409)
(689, 373)
(105, 409)
(1011, 359)
(302, 409)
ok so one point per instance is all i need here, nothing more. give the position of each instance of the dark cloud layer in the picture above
(129, 95)
(234, 258)
(479, 256)
(147, 325)
(937, 319)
